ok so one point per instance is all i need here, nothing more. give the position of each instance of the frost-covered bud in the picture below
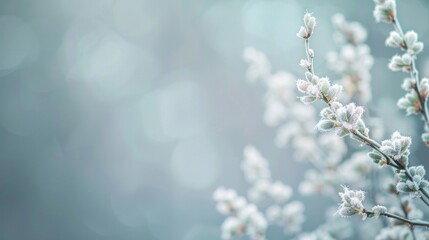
(302, 33)
(416, 48)
(327, 113)
(328, 92)
(414, 184)
(302, 85)
(305, 64)
(309, 22)
(307, 99)
(408, 84)
(385, 11)
(410, 38)
(325, 88)
(306, 31)
(350, 118)
(397, 147)
(378, 210)
(334, 91)
(425, 138)
(311, 53)
(378, 158)
(336, 105)
(410, 102)
(351, 203)
(424, 88)
(413, 46)
(394, 40)
(401, 63)
(326, 125)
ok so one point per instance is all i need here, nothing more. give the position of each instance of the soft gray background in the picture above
(118, 118)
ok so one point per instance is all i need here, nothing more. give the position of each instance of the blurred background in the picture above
(118, 118)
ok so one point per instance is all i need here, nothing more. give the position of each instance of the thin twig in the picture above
(403, 219)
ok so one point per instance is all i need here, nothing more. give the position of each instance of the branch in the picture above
(414, 74)
(403, 219)
(364, 139)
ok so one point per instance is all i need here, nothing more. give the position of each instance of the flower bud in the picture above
(378, 210)
(410, 38)
(302, 85)
(307, 99)
(305, 64)
(394, 39)
(302, 33)
(326, 125)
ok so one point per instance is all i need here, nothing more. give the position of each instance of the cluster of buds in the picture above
(408, 43)
(385, 10)
(306, 31)
(316, 88)
(414, 184)
(244, 217)
(401, 63)
(397, 147)
(351, 203)
(411, 101)
(344, 119)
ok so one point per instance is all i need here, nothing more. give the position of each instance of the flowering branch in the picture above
(409, 221)
(415, 101)
(352, 204)
(346, 120)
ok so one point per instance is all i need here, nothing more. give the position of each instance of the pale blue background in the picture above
(118, 118)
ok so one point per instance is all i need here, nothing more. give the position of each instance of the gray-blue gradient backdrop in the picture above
(118, 118)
